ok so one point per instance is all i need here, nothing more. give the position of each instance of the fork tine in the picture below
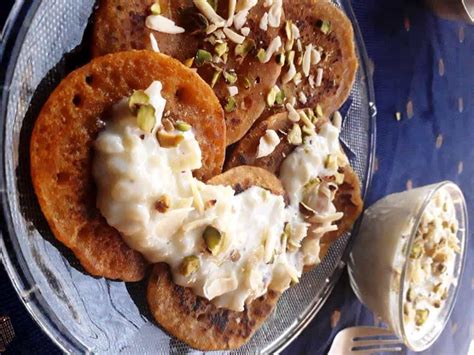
(373, 331)
(374, 351)
(374, 342)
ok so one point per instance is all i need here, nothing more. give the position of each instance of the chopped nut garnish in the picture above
(167, 125)
(213, 239)
(163, 204)
(146, 119)
(215, 77)
(202, 57)
(245, 48)
(189, 265)
(221, 49)
(280, 97)
(280, 59)
(138, 98)
(247, 83)
(318, 110)
(271, 97)
(231, 105)
(189, 62)
(416, 251)
(182, 126)
(261, 54)
(421, 316)
(324, 26)
(295, 136)
(411, 295)
(169, 140)
(155, 8)
(230, 78)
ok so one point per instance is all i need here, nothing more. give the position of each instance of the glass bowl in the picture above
(45, 40)
(379, 262)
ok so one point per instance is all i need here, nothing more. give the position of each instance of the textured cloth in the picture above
(423, 69)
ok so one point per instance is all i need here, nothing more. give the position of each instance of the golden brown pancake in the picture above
(339, 61)
(195, 320)
(120, 25)
(61, 149)
(348, 197)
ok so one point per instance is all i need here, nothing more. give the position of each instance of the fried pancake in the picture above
(120, 25)
(195, 320)
(338, 60)
(61, 149)
(348, 197)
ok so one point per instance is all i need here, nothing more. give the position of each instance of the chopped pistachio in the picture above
(182, 126)
(324, 26)
(156, 8)
(295, 135)
(215, 77)
(213, 239)
(416, 251)
(146, 118)
(308, 130)
(167, 125)
(202, 57)
(247, 83)
(280, 59)
(330, 161)
(189, 62)
(189, 265)
(230, 78)
(280, 97)
(221, 49)
(318, 110)
(312, 182)
(271, 96)
(245, 48)
(163, 204)
(339, 178)
(261, 55)
(421, 316)
(411, 294)
(169, 140)
(291, 57)
(288, 31)
(231, 105)
(137, 99)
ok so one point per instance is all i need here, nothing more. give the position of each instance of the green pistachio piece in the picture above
(230, 78)
(221, 49)
(189, 265)
(280, 97)
(339, 178)
(231, 105)
(202, 57)
(146, 119)
(261, 55)
(288, 30)
(271, 97)
(295, 136)
(324, 26)
(169, 140)
(416, 250)
(182, 126)
(245, 48)
(213, 239)
(330, 161)
(137, 99)
(155, 8)
(421, 316)
(215, 77)
(318, 110)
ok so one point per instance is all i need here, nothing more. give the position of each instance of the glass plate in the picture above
(86, 314)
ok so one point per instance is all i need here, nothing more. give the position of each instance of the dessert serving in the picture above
(128, 151)
(407, 264)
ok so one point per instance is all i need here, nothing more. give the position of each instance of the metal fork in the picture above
(364, 340)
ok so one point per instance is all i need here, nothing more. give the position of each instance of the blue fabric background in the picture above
(424, 69)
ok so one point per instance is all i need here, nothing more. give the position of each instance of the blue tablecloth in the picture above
(423, 69)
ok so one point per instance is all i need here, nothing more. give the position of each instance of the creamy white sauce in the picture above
(133, 172)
